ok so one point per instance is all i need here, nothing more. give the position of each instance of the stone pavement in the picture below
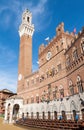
(4, 126)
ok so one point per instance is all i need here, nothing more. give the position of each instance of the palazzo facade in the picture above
(57, 88)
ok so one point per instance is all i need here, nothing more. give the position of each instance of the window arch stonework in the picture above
(37, 98)
(49, 91)
(67, 60)
(79, 84)
(61, 91)
(71, 88)
(55, 92)
(75, 54)
(32, 99)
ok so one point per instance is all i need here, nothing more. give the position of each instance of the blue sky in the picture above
(47, 14)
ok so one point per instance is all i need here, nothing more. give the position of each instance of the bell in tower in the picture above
(26, 31)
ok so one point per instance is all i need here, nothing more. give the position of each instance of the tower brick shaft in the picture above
(26, 30)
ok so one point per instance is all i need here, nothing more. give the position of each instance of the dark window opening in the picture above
(80, 86)
(63, 115)
(75, 54)
(31, 115)
(74, 114)
(55, 115)
(61, 93)
(37, 115)
(27, 114)
(43, 115)
(28, 19)
(49, 115)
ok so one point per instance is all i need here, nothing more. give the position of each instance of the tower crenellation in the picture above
(60, 29)
(41, 48)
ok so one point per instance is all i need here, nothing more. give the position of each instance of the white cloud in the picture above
(8, 76)
(40, 8)
(8, 81)
(7, 71)
(39, 12)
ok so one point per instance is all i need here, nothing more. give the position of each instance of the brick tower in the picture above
(26, 30)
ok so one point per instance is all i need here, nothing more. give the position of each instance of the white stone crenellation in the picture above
(26, 26)
(26, 29)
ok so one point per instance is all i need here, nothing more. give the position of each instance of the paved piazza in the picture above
(12, 127)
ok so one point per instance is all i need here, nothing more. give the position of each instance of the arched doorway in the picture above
(54, 110)
(27, 114)
(37, 115)
(43, 115)
(74, 114)
(55, 115)
(15, 111)
(73, 109)
(31, 115)
(49, 115)
(63, 115)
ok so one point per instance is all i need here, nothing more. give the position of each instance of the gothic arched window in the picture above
(67, 60)
(37, 98)
(79, 84)
(71, 87)
(27, 100)
(32, 99)
(75, 54)
(61, 90)
(55, 93)
(49, 91)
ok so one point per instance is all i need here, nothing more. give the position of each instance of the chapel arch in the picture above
(16, 108)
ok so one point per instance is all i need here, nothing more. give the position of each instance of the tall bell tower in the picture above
(26, 30)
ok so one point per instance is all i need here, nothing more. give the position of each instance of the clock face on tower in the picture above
(20, 77)
(48, 56)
